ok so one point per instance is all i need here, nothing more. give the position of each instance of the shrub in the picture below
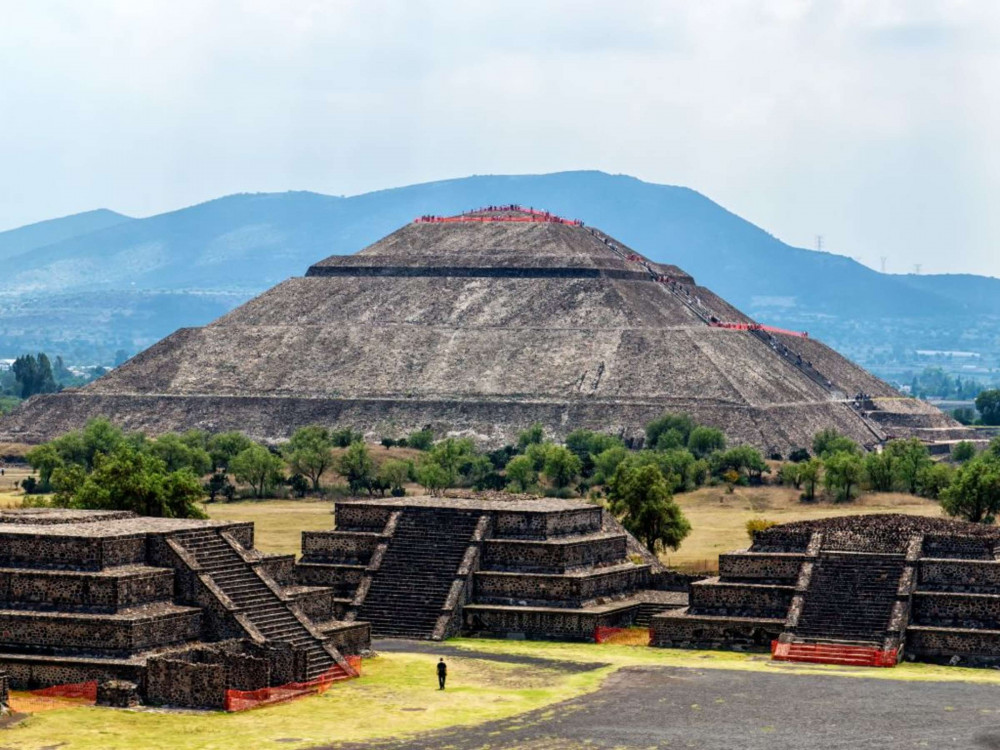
(758, 524)
(421, 440)
(798, 455)
(963, 451)
(829, 441)
(705, 440)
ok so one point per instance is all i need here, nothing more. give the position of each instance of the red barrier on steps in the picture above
(834, 653)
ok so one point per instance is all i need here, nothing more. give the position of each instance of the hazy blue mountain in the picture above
(23, 239)
(241, 244)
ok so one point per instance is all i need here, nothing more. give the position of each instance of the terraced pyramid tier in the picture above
(483, 324)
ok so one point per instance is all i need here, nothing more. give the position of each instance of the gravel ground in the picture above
(665, 707)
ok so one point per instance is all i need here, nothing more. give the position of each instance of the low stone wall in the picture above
(956, 610)
(760, 567)
(682, 630)
(958, 547)
(568, 590)
(281, 568)
(33, 672)
(199, 677)
(973, 647)
(542, 624)
(361, 517)
(777, 539)
(344, 579)
(316, 603)
(551, 556)
(349, 638)
(959, 575)
(97, 633)
(540, 525)
(339, 546)
(72, 589)
(173, 682)
(740, 599)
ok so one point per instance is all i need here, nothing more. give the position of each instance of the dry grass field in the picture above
(10, 490)
(718, 519)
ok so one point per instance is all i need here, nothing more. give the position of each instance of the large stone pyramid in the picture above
(482, 324)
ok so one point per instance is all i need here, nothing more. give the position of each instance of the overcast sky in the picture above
(872, 122)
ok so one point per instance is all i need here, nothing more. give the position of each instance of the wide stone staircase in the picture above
(410, 589)
(847, 610)
(269, 613)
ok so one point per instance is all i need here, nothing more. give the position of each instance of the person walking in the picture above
(442, 673)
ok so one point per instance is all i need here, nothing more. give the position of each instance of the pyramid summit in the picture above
(482, 324)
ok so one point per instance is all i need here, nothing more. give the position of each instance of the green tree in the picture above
(521, 474)
(842, 473)
(988, 404)
(127, 479)
(44, 459)
(974, 494)
(225, 446)
(357, 467)
(963, 451)
(258, 467)
(829, 441)
(537, 453)
(909, 457)
(309, 452)
(705, 440)
(880, 471)
(432, 476)
(934, 479)
(177, 453)
(451, 454)
(33, 375)
(561, 466)
(394, 473)
(606, 462)
(679, 427)
(809, 474)
(531, 436)
(421, 440)
(586, 445)
(642, 500)
(744, 459)
(790, 475)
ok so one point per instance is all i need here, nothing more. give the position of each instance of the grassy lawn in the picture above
(718, 519)
(278, 524)
(397, 697)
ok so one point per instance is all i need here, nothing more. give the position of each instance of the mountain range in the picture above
(87, 284)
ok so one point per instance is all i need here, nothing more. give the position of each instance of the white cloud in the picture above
(868, 121)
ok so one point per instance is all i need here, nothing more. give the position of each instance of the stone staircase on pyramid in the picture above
(271, 615)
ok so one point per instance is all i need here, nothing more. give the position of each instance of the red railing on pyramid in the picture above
(534, 216)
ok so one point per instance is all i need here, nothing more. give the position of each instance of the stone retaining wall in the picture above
(551, 556)
(760, 567)
(731, 634)
(956, 610)
(340, 545)
(107, 593)
(541, 525)
(96, 633)
(542, 624)
(568, 591)
(959, 575)
(741, 600)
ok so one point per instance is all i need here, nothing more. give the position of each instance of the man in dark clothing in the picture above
(442, 673)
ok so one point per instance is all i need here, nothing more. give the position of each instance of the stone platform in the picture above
(897, 586)
(95, 595)
(488, 564)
